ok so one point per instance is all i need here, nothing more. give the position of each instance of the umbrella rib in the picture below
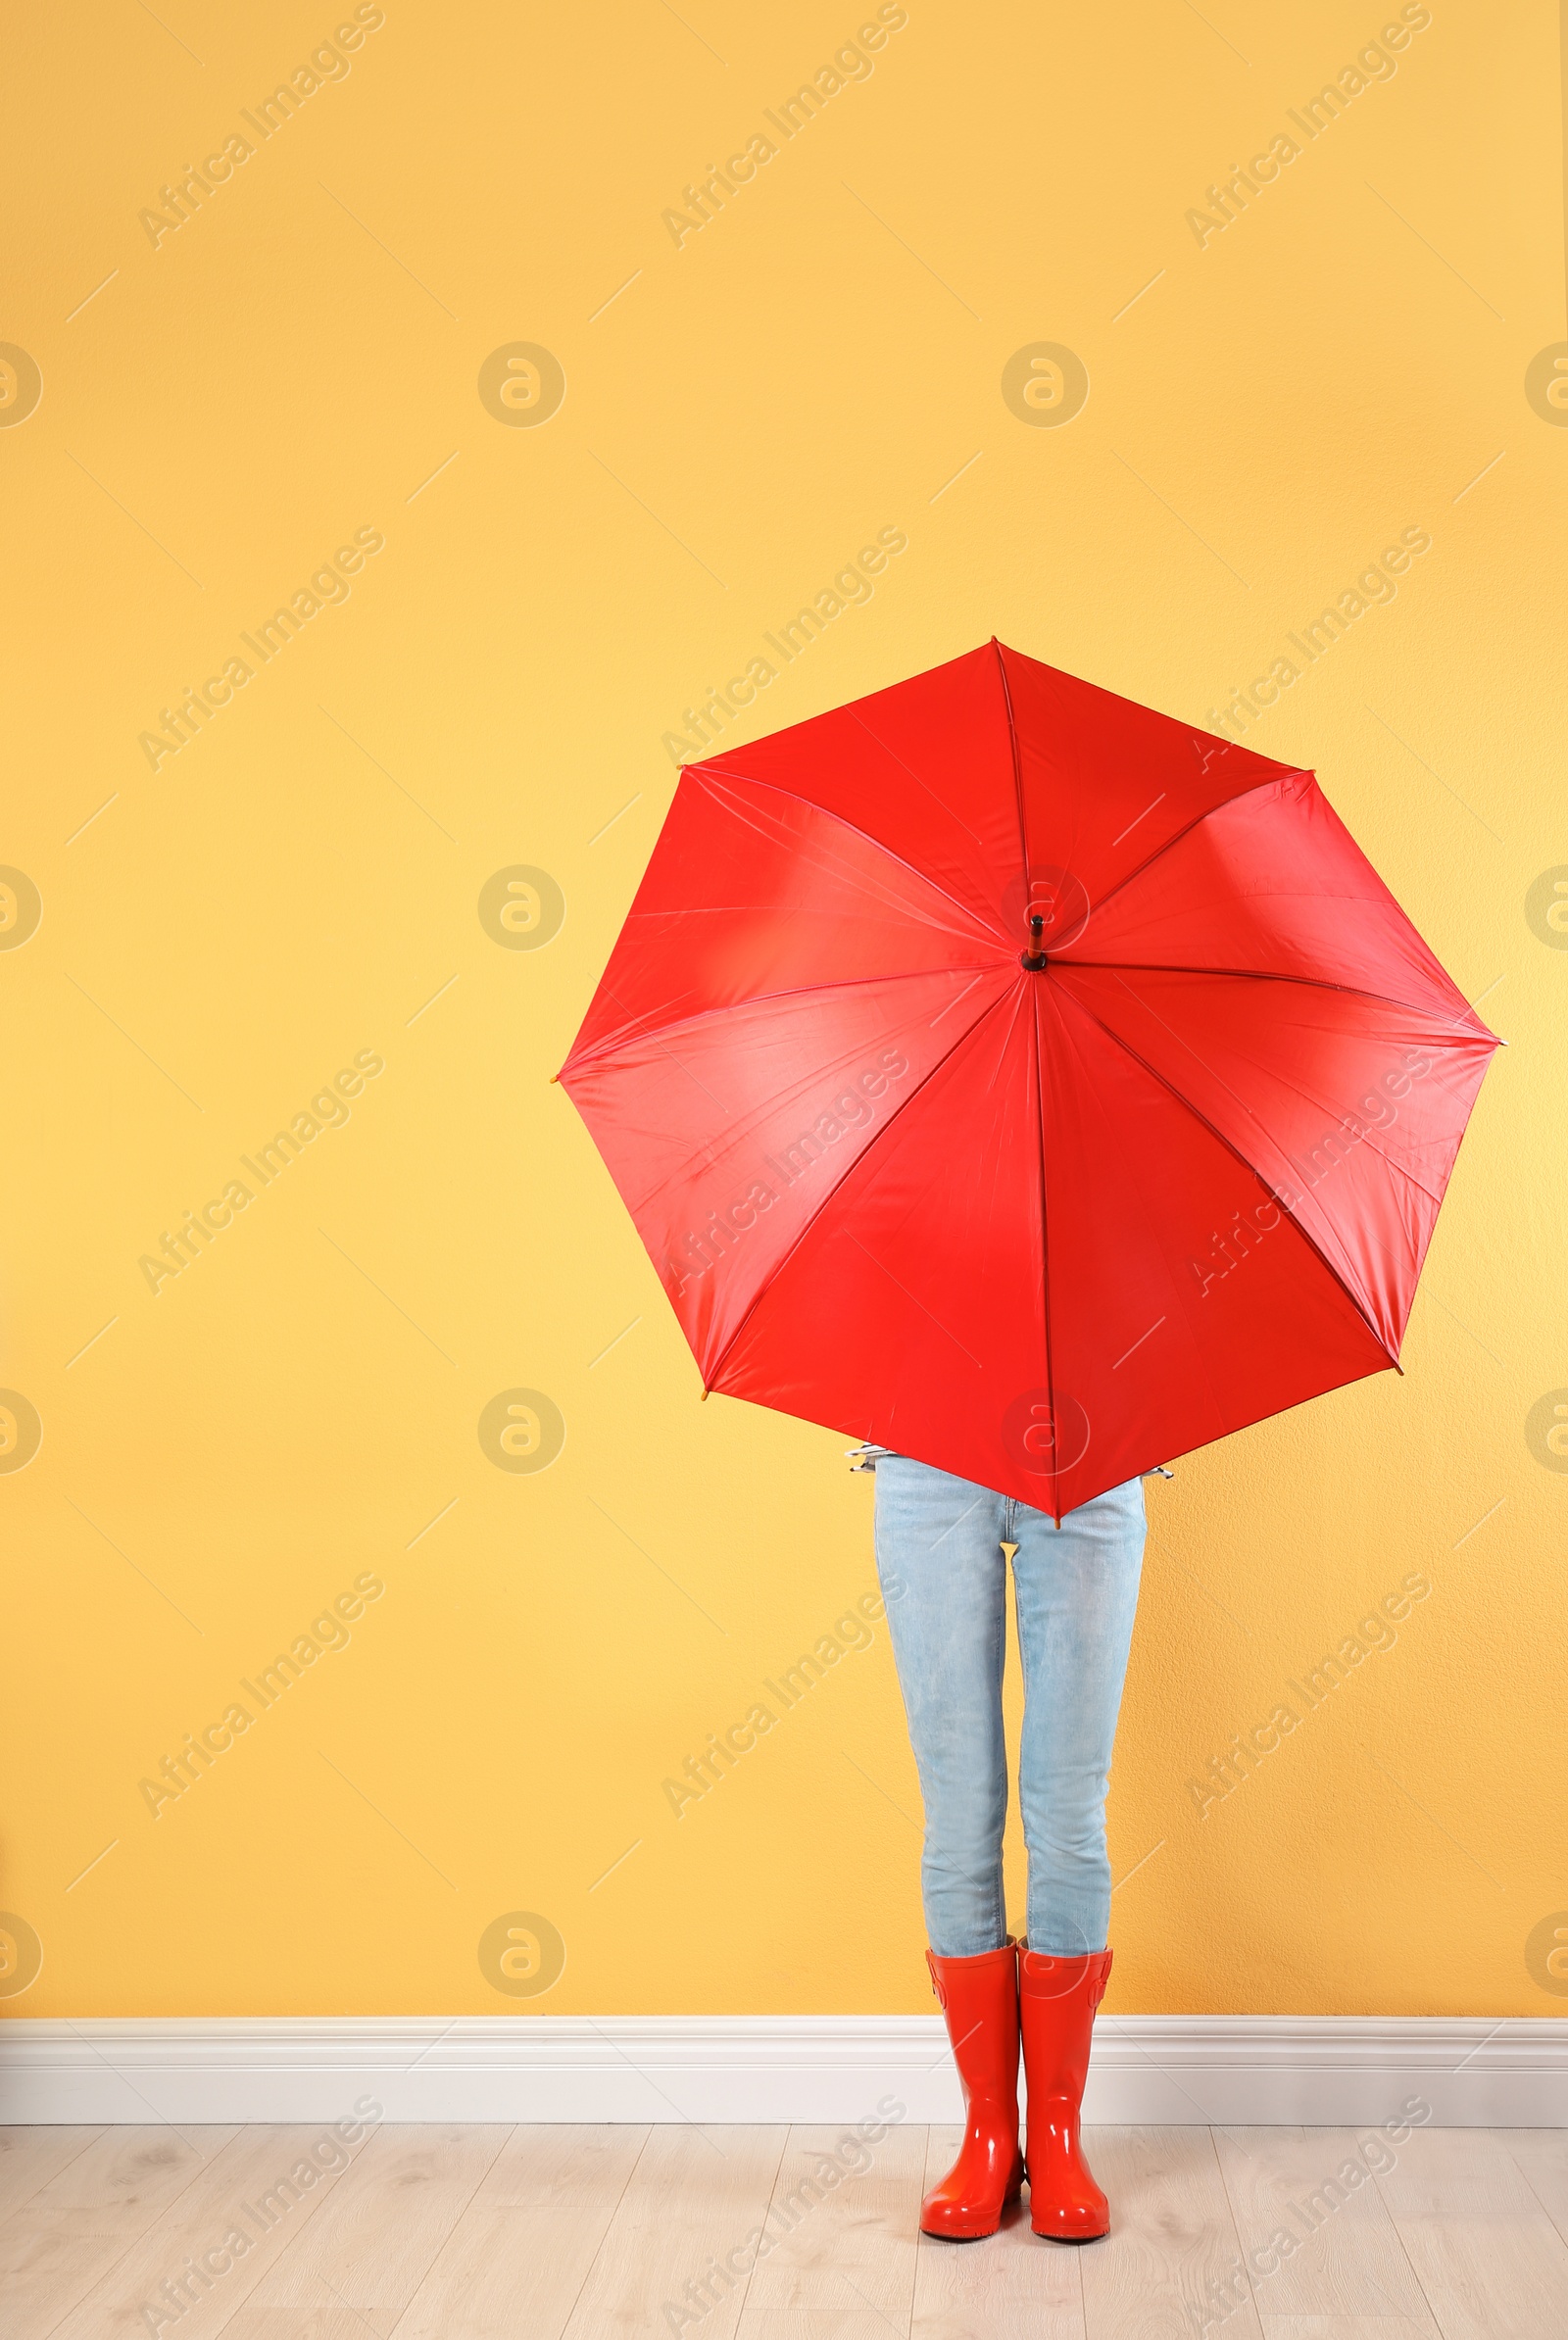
(778, 788)
(607, 1048)
(1045, 1252)
(1251, 1168)
(1121, 968)
(1039, 1077)
(841, 871)
(1299, 772)
(711, 1381)
(1017, 769)
(1354, 990)
(922, 785)
(723, 1141)
(1396, 1169)
(1180, 1301)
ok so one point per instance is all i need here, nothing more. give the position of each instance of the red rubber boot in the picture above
(1056, 2002)
(979, 1998)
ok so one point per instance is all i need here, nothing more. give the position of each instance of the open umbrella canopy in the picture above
(1003, 1072)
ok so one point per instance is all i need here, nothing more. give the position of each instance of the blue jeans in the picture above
(944, 1578)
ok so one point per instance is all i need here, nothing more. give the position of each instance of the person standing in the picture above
(942, 1549)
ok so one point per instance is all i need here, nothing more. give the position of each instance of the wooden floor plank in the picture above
(621, 2234)
(518, 2256)
(30, 2158)
(1011, 2286)
(1490, 2261)
(252, 2192)
(1540, 2155)
(1173, 2254)
(838, 2248)
(1315, 2232)
(1457, 2173)
(808, 2322)
(1341, 2327)
(361, 2260)
(57, 2244)
(693, 2200)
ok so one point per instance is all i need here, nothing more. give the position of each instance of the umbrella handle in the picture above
(1034, 959)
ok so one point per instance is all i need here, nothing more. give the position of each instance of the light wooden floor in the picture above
(586, 2233)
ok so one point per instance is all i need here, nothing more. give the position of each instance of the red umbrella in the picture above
(1004, 1073)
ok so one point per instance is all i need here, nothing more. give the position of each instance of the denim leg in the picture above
(944, 1578)
(1077, 1592)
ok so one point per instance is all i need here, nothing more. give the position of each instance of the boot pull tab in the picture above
(935, 1984)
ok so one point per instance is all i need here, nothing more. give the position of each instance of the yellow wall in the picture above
(299, 885)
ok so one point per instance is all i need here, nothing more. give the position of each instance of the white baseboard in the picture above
(1183, 2069)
